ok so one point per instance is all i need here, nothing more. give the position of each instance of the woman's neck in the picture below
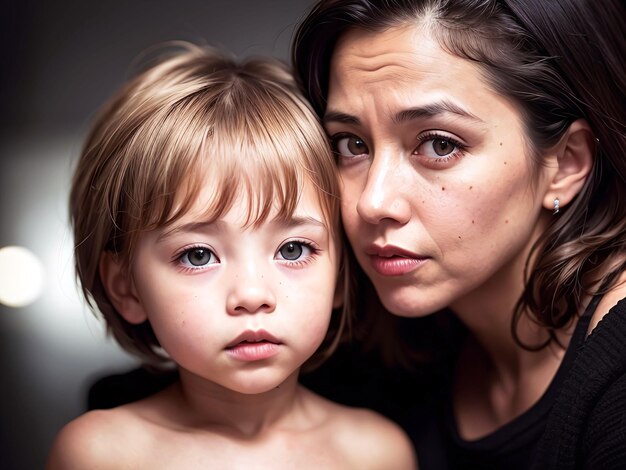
(497, 379)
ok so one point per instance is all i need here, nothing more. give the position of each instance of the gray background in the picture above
(60, 61)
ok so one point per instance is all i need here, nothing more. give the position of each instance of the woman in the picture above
(482, 147)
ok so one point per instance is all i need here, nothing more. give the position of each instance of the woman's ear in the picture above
(120, 289)
(574, 158)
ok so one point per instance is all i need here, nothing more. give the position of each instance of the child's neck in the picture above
(209, 405)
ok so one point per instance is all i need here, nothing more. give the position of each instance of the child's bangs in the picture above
(166, 168)
(262, 147)
(245, 138)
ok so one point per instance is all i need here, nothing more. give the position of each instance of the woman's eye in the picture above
(349, 146)
(293, 251)
(442, 147)
(198, 257)
(438, 147)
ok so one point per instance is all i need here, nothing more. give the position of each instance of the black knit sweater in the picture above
(580, 423)
(587, 426)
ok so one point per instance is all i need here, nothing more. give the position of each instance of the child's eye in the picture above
(295, 251)
(197, 257)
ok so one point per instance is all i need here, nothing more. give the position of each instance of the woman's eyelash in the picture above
(436, 149)
(356, 140)
(336, 138)
(434, 135)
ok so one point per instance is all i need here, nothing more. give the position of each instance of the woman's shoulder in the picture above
(90, 440)
(365, 437)
(609, 301)
(604, 440)
(589, 414)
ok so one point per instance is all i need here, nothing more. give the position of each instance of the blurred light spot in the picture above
(21, 276)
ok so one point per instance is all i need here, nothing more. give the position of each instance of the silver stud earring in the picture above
(557, 208)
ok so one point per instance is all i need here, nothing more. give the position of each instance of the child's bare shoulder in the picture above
(374, 441)
(369, 440)
(92, 439)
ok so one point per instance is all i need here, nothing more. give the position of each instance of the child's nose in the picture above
(251, 294)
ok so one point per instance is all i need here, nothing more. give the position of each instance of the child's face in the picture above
(240, 307)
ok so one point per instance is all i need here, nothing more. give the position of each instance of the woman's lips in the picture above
(391, 260)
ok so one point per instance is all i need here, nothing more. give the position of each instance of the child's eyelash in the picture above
(178, 258)
(313, 249)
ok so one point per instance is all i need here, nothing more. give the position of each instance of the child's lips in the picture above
(252, 337)
(253, 346)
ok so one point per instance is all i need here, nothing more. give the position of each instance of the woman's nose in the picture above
(384, 195)
(250, 293)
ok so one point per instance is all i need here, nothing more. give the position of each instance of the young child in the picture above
(206, 220)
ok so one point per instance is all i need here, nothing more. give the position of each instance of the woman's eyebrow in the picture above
(332, 116)
(409, 114)
(432, 110)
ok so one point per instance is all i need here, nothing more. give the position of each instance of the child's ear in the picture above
(120, 289)
(574, 157)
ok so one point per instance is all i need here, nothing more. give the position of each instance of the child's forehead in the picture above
(212, 196)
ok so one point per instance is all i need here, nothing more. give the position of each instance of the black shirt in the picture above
(510, 447)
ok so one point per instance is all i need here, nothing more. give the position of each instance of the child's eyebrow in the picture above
(202, 226)
(299, 221)
(219, 225)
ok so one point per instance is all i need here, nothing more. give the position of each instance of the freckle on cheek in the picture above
(443, 189)
(472, 221)
(471, 187)
(506, 221)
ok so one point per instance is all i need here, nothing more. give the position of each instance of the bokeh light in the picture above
(21, 276)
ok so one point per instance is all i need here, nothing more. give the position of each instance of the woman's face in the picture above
(441, 202)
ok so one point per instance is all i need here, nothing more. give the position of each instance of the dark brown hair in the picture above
(558, 61)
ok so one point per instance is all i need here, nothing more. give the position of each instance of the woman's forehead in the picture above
(401, 69)
(369, 48)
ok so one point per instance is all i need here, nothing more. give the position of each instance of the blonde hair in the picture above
(194, 114)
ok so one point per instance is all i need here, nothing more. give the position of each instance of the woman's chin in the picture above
(407, 304)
